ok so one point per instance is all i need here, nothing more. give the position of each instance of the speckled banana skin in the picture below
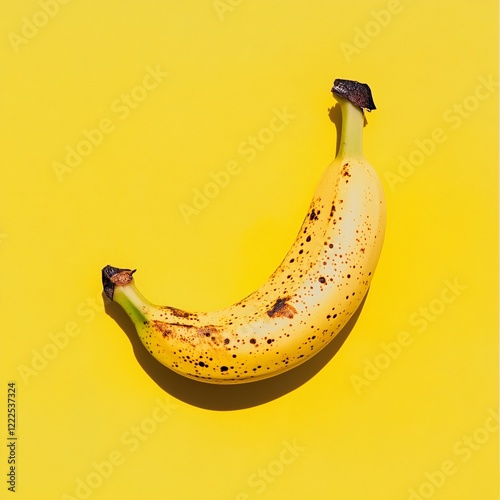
(305, 302)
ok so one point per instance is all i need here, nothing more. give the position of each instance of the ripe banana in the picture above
(305, 302)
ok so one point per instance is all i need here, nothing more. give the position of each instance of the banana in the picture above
(305, 302)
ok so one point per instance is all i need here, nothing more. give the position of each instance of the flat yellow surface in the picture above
(137, 134)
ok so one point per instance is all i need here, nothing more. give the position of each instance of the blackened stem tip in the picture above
(112, 276)
(358, 93)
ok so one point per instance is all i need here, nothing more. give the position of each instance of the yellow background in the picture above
(367, 418)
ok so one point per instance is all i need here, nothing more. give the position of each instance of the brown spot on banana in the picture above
(345, 170)
(178, 312)
(189, 333)
(167, 328)
(314, 215)
(281, 309)
(211, 332)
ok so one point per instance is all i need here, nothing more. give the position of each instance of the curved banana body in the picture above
(304, 303)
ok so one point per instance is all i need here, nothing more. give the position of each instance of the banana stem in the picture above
(353, 98)
(119, 286)
(132, 301)
(351, 135)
